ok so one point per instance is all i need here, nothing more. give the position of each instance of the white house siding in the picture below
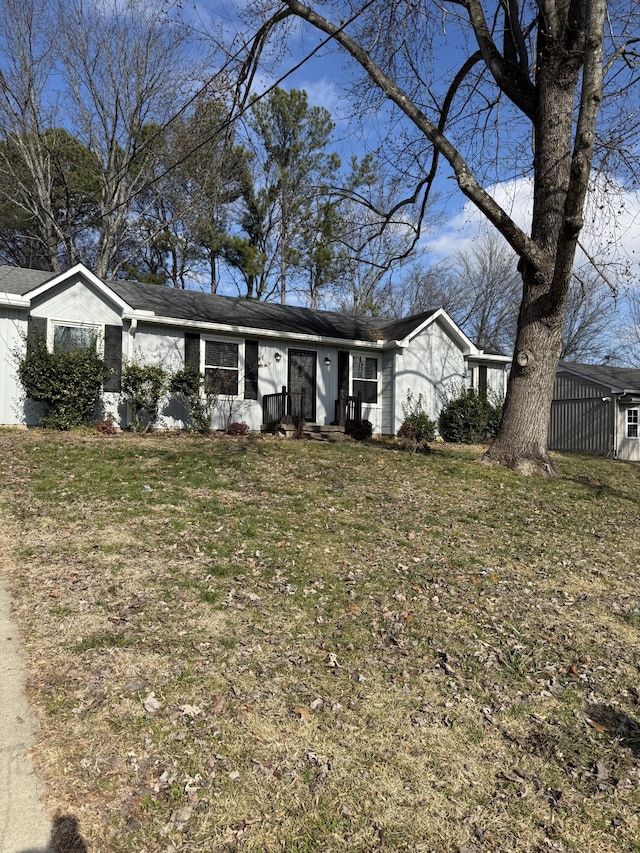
(496, 383)
(148, 344)
(432, 365)
(387, 421)
(76, 302)
(13, 330)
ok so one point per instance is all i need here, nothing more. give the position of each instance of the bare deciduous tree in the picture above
(543, 63)
(104, 70)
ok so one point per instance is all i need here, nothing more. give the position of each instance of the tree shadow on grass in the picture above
(609, 719)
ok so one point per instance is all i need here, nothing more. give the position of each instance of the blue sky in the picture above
(613, 229)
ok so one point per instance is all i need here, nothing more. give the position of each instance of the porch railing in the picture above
(287, 407)
(347, 409)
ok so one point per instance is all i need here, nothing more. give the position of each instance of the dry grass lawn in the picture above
(257, 645)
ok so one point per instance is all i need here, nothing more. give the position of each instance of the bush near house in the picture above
(142, 389)
(360, 430)
(469, 418)
(188, 387)
(417, 429)
(68, 383)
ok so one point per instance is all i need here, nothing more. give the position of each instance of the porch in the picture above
(286, 412)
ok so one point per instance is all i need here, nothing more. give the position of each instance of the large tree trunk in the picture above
(561, 173)
(521, 442)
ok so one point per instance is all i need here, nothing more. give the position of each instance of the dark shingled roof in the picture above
(622, 378)
(211, 308)
(19, 281)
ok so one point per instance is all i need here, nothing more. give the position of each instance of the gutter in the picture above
(12, 300)
(248, 331)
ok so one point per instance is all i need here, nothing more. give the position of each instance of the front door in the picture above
(302, 377)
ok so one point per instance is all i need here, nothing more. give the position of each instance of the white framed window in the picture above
(364, 377)
(222, 367)
(632, 423)
(67, 337)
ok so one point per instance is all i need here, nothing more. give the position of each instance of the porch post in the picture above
(341, 408)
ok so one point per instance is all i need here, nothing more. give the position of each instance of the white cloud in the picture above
(611, 233)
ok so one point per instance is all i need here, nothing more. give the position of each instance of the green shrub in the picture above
(188, 387)
(469, 419)
(142, 388)
(417, 429)
(68, 383)
(360, 430)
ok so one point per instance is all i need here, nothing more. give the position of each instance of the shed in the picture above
(595, 409)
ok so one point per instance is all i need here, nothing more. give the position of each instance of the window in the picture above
(365, 378)
(70, 338)
(632, 423)
(221, 367)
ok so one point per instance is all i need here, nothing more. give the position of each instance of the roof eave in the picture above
(250, 331)
(13, 300)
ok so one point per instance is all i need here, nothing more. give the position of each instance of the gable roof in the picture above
(618, 379)
(253, 314)
(167, 304)
(195, 306)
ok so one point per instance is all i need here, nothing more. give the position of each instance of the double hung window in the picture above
(632, 423)
(221, 367)
(365, 378)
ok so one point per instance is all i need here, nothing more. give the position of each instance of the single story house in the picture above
(596, 409)
(254, 349)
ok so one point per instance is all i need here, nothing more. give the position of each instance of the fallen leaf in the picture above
(151, 704)
(599, 727)
(217, 703)
(305, 713)
(352, 607)
(601, 771)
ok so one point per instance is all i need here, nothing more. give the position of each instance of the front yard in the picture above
(256, 645)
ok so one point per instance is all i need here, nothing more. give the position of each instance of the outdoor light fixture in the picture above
(327, 361)
(277, 356)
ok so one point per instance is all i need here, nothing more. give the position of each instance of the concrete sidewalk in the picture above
(24, 826)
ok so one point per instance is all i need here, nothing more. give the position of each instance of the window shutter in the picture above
(482, 381)
(113, 357)
(192, 350)
(343, 372)
(251, 370)
(36, 331)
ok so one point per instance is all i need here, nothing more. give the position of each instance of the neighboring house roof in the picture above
(243, 314)
(618, 379)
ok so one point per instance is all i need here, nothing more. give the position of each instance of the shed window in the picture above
(632, 423)
(221, 367)
(70, 338)
(365, 378)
